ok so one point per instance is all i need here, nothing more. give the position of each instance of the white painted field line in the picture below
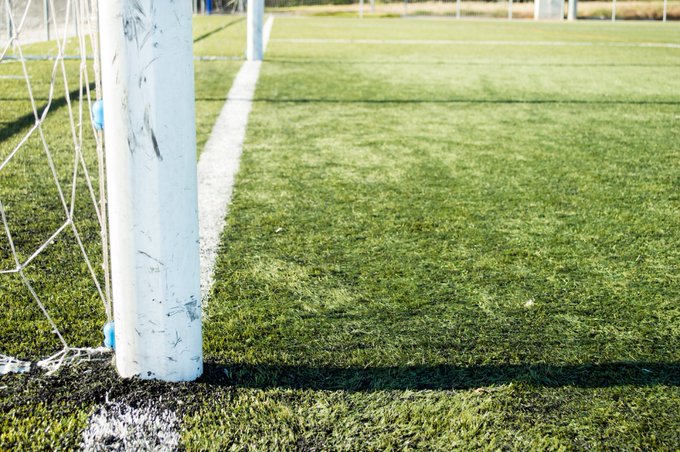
(219, 163)
(118, 426)
(452, 42)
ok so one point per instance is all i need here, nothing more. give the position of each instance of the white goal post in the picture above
(150, 140)
(254, 43)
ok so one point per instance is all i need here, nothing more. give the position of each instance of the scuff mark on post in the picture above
(193, 309)
(133, 21)
(177, 340)
(156, 149)
(143, 253)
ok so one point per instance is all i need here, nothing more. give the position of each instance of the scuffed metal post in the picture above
(255, 13)
(149, 130)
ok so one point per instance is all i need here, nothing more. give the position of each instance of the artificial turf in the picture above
(449, 246)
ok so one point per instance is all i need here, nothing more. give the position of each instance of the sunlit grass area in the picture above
(470, 242)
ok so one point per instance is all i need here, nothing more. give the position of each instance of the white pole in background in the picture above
(255, 12)
(372, 6)
(457, 9)
(613, 10)
(46, 18)
(8, 9)
(76, 25)
(573, 9)
(509, 9)
(361, 9)
(150, 136)
(665, 9)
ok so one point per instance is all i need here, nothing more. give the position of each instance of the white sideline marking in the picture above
(117, 426)
(219, 162)
(668, 45)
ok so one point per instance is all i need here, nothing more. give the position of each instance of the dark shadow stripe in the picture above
(218, 29)
(461, 63)
(464, 101)
(442, 377)
(27, 120)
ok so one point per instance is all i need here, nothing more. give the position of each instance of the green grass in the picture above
(430, 247)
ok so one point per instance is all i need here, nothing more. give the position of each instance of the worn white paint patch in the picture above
(119, 427)
(219, 163)
(9, 364)
(668, 45)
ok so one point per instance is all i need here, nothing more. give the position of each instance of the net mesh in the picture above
(53, 242)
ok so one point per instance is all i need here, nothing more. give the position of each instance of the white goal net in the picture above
(54, 289)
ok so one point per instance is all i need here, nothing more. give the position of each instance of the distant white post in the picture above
(255, 13)
(46, 18)
(613, 10)
(372, 6)
(509, 9)
(150, 136)
(573, 8)
(665, 9)
(8, 9)
(549, 9)
(361, 9)
(457, 9)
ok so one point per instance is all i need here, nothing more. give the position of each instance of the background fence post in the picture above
(572, 10)
(46, 17)
(665, 9)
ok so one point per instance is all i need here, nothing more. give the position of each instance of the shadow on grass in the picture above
(27, 120)
(465, 101)
(458, 63)
(443, 377)
(218, 29)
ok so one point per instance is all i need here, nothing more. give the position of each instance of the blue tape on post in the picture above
(109, 336)
(98, 115)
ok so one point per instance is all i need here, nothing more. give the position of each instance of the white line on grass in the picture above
(668, 45)
(219, 163)
(118, 426)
